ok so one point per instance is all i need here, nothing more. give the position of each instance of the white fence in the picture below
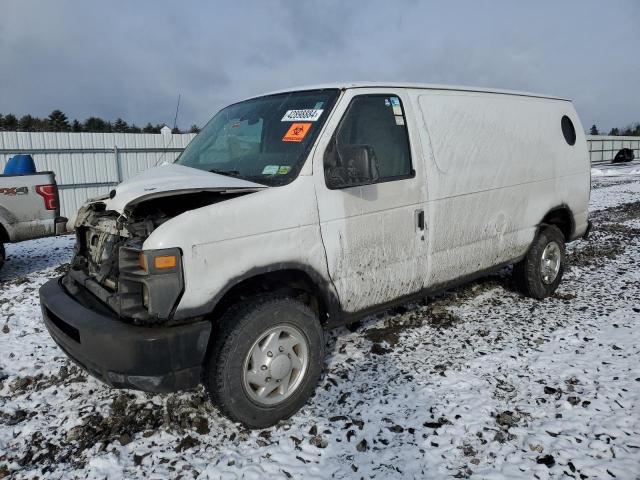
(603, 148)
(90, 164)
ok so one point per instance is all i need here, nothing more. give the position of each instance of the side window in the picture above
(568, 130)
(370, 145)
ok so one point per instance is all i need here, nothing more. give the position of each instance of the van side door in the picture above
(370, 190)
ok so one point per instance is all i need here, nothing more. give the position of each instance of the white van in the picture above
(301, 210)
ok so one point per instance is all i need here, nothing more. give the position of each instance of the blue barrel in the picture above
(20, 164)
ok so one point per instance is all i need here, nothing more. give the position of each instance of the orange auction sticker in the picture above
(296, 132)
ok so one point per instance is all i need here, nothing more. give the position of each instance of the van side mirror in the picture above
(350, 166)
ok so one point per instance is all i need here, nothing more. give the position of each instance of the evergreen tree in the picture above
(632, 130)
(40, 124)
(58, 121)
(614, 131)
(594, 130)
(9, 123)
(120, 126)
(95, 125)
(26, 124)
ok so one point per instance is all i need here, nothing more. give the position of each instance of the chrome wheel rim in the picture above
(275, 365)
(550, 262)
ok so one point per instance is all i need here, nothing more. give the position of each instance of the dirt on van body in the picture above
(478, 380)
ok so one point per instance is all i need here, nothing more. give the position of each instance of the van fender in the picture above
(562, 217)
(322, 285)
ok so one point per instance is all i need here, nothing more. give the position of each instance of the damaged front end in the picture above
(141, 286)
(110, 263)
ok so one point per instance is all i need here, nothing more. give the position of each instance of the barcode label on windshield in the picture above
(309, 115)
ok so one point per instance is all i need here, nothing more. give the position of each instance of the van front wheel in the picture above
(540, 272)
(265, 361)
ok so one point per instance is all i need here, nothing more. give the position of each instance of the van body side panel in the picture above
(488, 168)
(498, 164)
(225, 241)
(578, 189)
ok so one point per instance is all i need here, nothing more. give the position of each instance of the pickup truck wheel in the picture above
(540, 272)
(2, 254)
(265, 361)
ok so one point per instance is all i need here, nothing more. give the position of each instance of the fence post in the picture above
(116, 157)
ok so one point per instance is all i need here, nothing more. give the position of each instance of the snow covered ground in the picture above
(615, 170)
(480, 382)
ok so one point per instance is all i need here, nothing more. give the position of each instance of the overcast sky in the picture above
(131, 59)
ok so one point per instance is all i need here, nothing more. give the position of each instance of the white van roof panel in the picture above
(423, 86)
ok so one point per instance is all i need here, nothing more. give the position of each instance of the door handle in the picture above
(420, 219)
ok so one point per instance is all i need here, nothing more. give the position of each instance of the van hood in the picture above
(172, 179)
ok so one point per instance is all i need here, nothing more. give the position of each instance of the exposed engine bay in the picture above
(108, 253)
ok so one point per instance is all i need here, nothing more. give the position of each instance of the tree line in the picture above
(631, 130)
(57, 121)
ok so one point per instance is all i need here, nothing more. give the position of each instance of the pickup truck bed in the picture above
(29, 208)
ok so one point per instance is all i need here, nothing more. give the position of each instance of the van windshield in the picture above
(264, 140)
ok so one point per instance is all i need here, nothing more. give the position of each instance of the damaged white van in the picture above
(301, 210)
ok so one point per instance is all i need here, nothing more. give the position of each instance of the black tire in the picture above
(528, 273)
(239, 328)
(2, 255)
(624, 155)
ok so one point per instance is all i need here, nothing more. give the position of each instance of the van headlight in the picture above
(151, 282)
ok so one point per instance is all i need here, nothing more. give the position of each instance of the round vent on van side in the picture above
(568, 130)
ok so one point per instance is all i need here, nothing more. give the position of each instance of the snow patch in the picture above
(479, 382)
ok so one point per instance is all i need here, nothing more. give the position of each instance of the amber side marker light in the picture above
(165, 261)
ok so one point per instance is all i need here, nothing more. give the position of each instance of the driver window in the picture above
(378, 122)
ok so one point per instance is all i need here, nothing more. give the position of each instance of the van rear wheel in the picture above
(2, 255)
(540, 272)
(265, 361)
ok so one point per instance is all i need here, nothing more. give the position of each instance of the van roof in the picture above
(422, 86)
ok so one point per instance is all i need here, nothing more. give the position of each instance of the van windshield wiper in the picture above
(228, 173)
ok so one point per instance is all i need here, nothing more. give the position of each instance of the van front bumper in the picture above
(153, 359)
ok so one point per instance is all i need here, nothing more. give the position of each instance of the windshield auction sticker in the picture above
(296, 132)
(308, 115)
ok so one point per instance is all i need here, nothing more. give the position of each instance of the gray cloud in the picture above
(131, 59)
